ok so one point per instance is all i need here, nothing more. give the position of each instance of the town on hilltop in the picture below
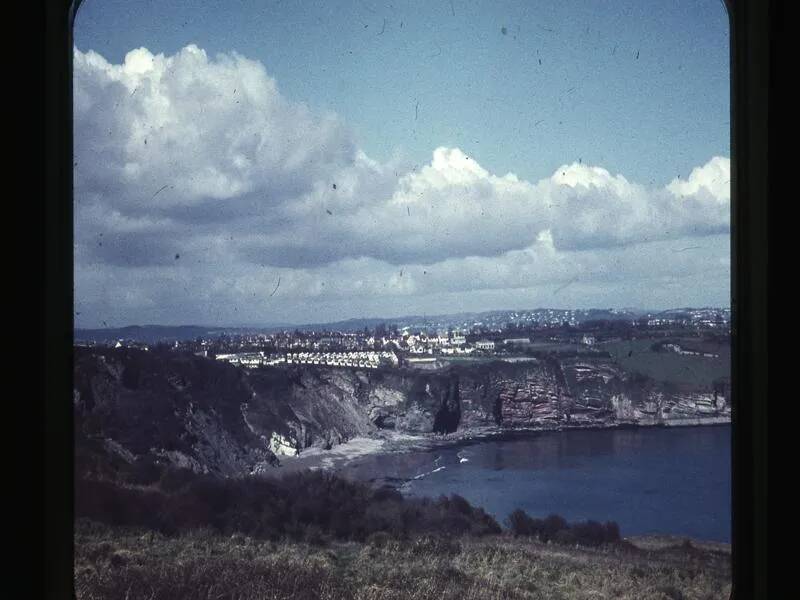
(439, 341)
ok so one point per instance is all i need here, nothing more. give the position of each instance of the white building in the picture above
(484, 345)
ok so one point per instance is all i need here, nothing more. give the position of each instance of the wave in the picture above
(436, 470)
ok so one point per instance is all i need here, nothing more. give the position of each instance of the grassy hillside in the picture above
(698, 372)
(136, 563)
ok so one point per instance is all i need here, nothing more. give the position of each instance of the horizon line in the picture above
(408, 316)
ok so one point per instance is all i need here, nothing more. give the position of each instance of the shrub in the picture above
(103, 501)
(304, 506)
(551, 526)
(566, 537)
(148, 473)
(386, 493)
(556, 529)
(612, 532)
(460, 504)
(486, 523)
(520, 523)
(590, 533)
(387, 517)
(454, 524)
(173, 479)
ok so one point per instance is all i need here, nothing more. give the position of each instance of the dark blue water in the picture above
(674, 481)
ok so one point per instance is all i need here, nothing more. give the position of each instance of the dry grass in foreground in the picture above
(129, 563)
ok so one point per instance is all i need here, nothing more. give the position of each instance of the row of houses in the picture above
(364, 360)
(250, 359)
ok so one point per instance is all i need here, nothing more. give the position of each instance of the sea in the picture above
(650, 480)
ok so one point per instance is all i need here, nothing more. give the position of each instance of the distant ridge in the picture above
(168, 333)
(151, 334)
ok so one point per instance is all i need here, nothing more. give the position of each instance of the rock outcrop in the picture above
(210, 416)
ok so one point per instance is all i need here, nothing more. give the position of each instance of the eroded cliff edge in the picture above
(134, 407)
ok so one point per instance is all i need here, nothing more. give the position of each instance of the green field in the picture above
(554, 347)
(638, 357)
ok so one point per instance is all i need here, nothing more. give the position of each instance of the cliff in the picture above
(134, 406)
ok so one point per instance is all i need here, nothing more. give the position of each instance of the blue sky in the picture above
(639, 89)
(449, 76)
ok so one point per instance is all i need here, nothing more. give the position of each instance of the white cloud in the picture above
(712, 181)
(209, 129)
(198, 183)
(675, 272)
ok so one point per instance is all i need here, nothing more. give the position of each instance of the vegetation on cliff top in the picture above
(311, 506)
(316, 535)
(135, 563)
(315, 507)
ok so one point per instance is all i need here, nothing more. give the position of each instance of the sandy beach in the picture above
(318, 458)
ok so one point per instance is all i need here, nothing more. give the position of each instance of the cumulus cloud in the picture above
(711, 182)
(212, 130)
(197, 181)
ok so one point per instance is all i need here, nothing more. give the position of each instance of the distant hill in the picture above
(486, 317)
(167, 333)
(151, 334)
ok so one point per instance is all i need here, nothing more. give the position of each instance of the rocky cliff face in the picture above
(181, 410)
(210, 416)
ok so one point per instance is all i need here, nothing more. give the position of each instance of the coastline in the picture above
(388, 442)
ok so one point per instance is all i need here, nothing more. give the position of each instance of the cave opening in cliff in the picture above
(446, 420)
(449, 414)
